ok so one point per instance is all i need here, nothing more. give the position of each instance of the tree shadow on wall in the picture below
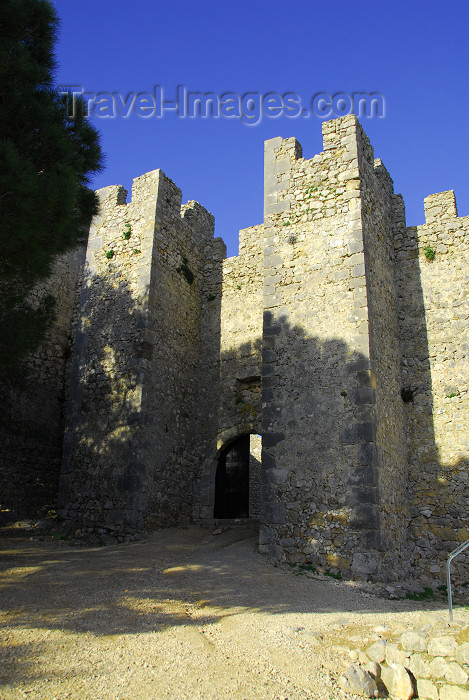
(101, 469)
(438, 517)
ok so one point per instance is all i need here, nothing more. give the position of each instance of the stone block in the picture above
(419, 666)
(462, 653)
(455, 674)
(272, 439)
(438, 667)
(377, 651)
(414, 640)
(363, 494)
(274, 513)
(358, 432)
(365, 516)
(402, 685)
(452, 692)
(358, 681)
(394, 655)
(362, 476)
(442, 646)
(387, 677)
(426, 690)
(366, 454)
(365, 563)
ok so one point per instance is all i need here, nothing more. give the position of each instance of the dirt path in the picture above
(184, 614)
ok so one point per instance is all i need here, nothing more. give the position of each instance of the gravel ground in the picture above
(185, 614)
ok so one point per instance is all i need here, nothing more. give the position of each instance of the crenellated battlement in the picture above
(440, 207)
(337, 334)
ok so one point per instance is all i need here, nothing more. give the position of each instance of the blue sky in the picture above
(414, 53)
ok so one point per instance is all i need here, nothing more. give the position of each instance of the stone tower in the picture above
(337, 339)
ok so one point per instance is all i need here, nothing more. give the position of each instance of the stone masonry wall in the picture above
(319, 457)
(130, 430)
(236, 403)
(434, 317)
(382, 216)
(241, 338)
(338, 334)
(31, 430)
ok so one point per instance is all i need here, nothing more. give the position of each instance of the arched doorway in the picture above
(232, 480)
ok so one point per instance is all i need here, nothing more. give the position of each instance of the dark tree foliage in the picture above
(46, 160)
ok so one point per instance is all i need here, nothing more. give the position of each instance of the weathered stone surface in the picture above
(419, 666)
(333, 334)
(442, 646)
(364, 563)
(426, 690)
(414, 640)
(394, 655)
(358, 681)
(387, 677)
(455, 674)
(377, 651)
(438, 667)
(452, 692)
(374, 669)
(402, 686)
(462, 653)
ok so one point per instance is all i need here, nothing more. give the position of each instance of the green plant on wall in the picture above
(110, 254)
(185, 270)
(430, 252)
(127, 232)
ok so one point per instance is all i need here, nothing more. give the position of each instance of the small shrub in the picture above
(185, 270)
(430, 252)
(238, 286)
(424, 595)
(110, 254)
(337, 576)
(127, 232)
(137, 250)
(307, 567)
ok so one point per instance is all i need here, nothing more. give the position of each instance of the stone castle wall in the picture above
(32, 424)
(332, 334)
(331, 377)
(135, 380)
(433, 277)
(382, 216)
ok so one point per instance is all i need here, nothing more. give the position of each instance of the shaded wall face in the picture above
(32, 422)
(435, 341)
(172, 399)
(319, 456)
(241, 338)
(131, 439)
(383, 218)
(231, 379)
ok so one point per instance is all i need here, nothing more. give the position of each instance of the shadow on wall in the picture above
(320, 465)
(102, 476)
(438, 518)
